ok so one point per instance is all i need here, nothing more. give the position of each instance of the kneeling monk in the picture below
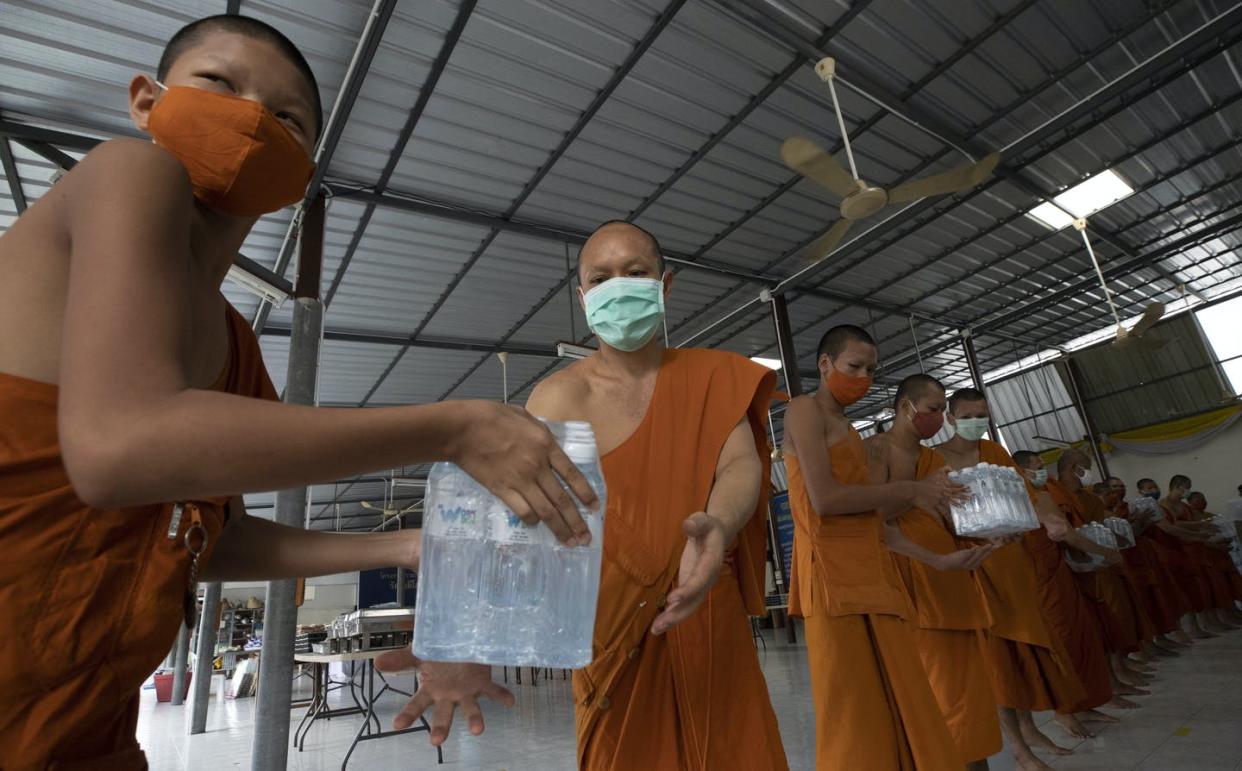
(675, 683)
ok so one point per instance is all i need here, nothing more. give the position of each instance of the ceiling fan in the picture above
(859, 199)
(1151, 314)
(390, 512)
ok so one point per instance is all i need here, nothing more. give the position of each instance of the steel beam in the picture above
(464, 12)
(434, 343)
(204, 655)
(271, 736)
(181, 656)
(1070, 369)
(359, 66)
(10, 173)
(976, 376)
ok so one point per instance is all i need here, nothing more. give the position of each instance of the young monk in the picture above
(874, 707)
(1030, 669)
(675, 683)
(128, 383)
(1213, 589)
(1103, 588)
(1069, 617)
(1225, 573)
(1167, 548)
(949, 614)
(1183, 542)
(1157, 589)
(1139, 579)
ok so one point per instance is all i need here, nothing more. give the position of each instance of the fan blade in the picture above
(1151, 314)
(952, 181)
(367, 505)
(824, 245)
(810, 160)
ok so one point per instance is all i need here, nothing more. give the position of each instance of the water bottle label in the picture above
(448, 521)
(505, 527)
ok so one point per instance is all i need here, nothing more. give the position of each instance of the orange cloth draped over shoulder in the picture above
(91, 598)
(1070, 619)
(1162, 601)
(694, 697)
(1186, 570)
(874, 707)
(1106, 589)
(1215, 585)
(949, 623)
(1030, 669)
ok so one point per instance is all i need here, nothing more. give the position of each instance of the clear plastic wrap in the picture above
(1082, 562)
(1121, 530)
(998, 503)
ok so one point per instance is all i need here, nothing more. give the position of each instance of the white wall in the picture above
(1215, 467)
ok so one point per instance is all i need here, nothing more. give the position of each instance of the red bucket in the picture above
(163, 687)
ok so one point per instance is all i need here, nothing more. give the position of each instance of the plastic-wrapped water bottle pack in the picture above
(998, 503)
(1145, 508)
(1121, 530)
(494, 590)
(1083, 562)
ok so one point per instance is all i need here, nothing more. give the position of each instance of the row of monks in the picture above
(1001, 628)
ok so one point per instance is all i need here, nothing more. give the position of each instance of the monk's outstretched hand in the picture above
(706, 542)
(936, 492)
(516, 457)
(965, 559)
(444, 686)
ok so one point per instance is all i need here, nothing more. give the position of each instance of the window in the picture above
(1220, 324)
(1082, 200)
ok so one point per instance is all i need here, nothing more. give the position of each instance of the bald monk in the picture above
(128, 384)
(949, 614)
(1104, 588)
(1163, 601)
(874, 707)
(675, 683)
(1183, 541)
(1230, 581)
(1069, 617)
(1030, 670)
(1168, 548)
(1101, 505)
(1217, 593)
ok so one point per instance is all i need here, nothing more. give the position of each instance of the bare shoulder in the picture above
(150, 176)
(802, 408)
(556, 396)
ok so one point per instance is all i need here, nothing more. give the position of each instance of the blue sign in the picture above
(376, 587)
(782, 519)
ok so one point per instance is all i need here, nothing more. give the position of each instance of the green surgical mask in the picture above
(972, 429)
(625, 313)
(1041, 477)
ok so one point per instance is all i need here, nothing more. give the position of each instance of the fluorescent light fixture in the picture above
(769, 363)
(572, 351)
(273, 294)
(1082, 200)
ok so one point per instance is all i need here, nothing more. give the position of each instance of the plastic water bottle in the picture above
(447, 603)
(573, 573)
(495, 590)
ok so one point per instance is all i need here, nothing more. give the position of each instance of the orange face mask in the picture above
(241, 160)
(847, 389)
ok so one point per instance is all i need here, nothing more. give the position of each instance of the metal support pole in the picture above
(1071, 374)
(270, 749)
(793, 385)
(181, 652)
(972, 363)
(204, 655)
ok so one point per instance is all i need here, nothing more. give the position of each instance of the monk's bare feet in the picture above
(1165, 649)
(1123, 703)
(1140, 657)
(1074, 727)
(1037, 740)
(1130, 690)
(1180, 638)
(1096, 716)
(1202, 634)
(1029, 762)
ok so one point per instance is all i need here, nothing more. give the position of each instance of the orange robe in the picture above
(1186, 569)
(1071, 620)
(92, 598)
(949, 623)
(1162, 601)
(1216, 588)
(1030, 669)
(694, 697)
(874, 708)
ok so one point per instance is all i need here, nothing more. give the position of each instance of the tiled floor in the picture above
(1192, 721)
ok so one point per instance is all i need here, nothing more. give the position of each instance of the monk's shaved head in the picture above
(834, 340)
(618, 239)
(1025, 458)
(915, 387)
(1072, 457)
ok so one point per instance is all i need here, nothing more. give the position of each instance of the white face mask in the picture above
(1039, 477)
(1088, 477)
(971, 429)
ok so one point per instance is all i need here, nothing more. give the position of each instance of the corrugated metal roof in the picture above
(522, 75)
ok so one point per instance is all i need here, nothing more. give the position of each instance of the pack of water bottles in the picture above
(998, 504)
(494, 590)
(1121, 530)
(1097, 533)
(1144, 508)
